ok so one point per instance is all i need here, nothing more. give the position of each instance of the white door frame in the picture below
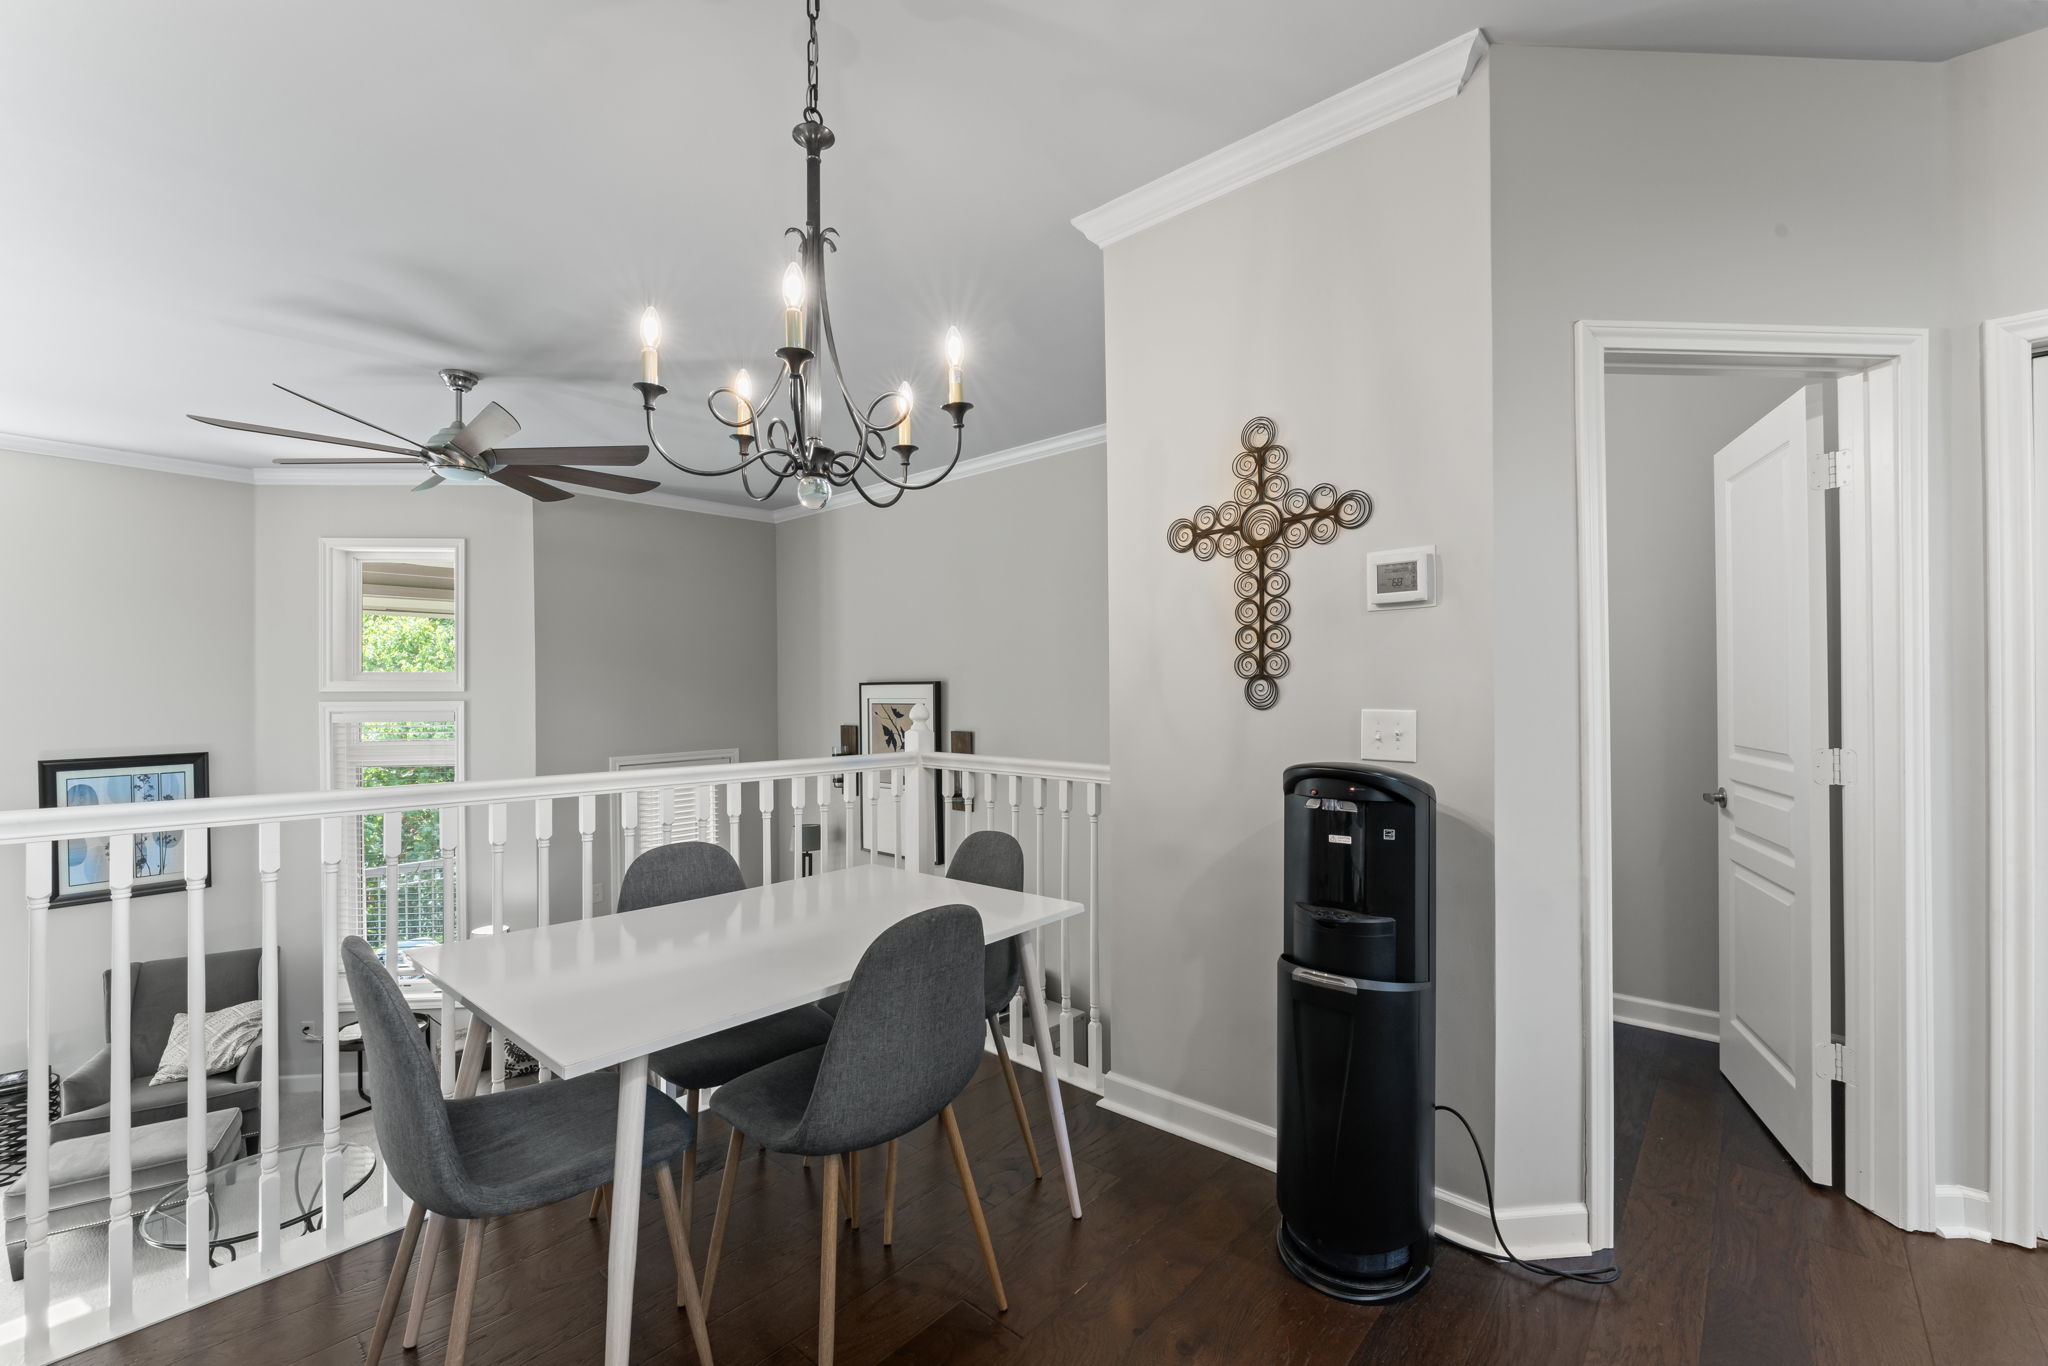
(1886, 690)
(2017, 970)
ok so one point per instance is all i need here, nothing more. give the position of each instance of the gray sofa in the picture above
(156, 994)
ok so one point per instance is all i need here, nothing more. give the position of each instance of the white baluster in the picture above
(1037, 836)
(629, 841)
(543, 840)
(494, 835)
(847, 831)
(765, 790)
(898, 780)
(668, 815)
(988, 810)
(198, 1268)
(41, 858)
(120, 1029)
(269, 1181)
(732, 820)
(1094, 920)
(870, 798)
(1015, 788)
(1066, 963)
(586, 828)
(1038, 936)
(917, 743)
(333, 1176)
(452, 919)
(798, 804)
(823, 784)
(543, 836)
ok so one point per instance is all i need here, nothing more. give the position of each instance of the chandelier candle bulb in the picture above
(650, 347)
(954, 352)
(744, 387)
(793, 307)
(903, 423)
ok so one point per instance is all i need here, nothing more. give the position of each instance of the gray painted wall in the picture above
(499, 716)
(125, 615)
(1346, 297)
(990, 584)
(1662, 433)
(657, 632)
(1689, 188)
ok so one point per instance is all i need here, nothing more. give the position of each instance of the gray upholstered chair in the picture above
(156, 996)
(478, 1158)
(907, 1040)
(683, 872)
(992, 859)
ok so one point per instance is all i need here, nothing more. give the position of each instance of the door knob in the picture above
(1718, 797)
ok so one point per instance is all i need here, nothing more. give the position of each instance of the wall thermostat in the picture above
(1401, 578)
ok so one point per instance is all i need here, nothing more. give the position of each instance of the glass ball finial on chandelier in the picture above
(780, 446)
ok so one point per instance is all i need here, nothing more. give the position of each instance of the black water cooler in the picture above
(1358, 1032)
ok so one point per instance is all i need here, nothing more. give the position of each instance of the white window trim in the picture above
(608, 896)
(424, 708)
(341, 614)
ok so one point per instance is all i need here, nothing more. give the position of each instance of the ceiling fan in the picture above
(468, 452)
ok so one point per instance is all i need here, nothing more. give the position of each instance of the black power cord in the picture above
(1605, 1275)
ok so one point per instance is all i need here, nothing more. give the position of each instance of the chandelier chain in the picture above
(811, 114)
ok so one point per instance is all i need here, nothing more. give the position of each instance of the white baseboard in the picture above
(1690, 1021)
(1962, 1212)
(1534, 1231)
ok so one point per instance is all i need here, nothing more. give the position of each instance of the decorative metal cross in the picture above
(1257, 531)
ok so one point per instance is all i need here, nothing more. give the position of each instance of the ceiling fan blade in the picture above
(428, 483)
(532, 488)
(350, 416)
(596, 479)
(486, 430)
(571, 455)
(364, 460)
(299, 436)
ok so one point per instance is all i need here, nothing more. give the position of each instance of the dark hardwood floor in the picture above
(1728, 1257)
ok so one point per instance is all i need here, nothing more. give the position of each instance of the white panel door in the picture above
(1770, 545)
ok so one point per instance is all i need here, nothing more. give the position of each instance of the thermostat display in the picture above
(1401, 578)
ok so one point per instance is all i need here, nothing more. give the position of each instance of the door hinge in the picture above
(1832, 1062)
(1834, 767)
(1830, 469)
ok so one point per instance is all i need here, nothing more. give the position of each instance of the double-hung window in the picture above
(399, 889)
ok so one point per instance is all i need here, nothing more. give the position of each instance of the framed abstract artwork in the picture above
(884, 724)
(82, 873)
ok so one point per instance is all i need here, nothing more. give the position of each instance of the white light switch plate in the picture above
(1388, 736)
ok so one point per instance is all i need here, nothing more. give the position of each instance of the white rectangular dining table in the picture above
(610, 991)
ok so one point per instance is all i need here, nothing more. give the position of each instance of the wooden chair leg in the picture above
(686, 1272)
(423, 1284)
(731, 1178)
(889, 1198)
(394, 1288)
(690, 1165)
(465, 1291)
(828, 1264)
(1016, 1100)
(988, 1249)
(600, 1200)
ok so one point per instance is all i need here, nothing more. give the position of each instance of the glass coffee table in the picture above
(231, 1208)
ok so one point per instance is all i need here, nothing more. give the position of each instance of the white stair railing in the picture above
(845, 797)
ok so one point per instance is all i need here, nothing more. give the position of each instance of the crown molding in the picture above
(115, 455)
(392, 476)
(1435, 76)
(1080, 439)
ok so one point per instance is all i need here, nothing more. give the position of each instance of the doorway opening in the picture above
(1753, 627)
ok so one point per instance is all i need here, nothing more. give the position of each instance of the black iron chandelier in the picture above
(794, 447)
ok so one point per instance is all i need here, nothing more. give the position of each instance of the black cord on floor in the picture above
(1606, 1275)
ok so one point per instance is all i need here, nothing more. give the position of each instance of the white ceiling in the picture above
(203, 197)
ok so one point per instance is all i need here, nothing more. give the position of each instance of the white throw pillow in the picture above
(230, 1034)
